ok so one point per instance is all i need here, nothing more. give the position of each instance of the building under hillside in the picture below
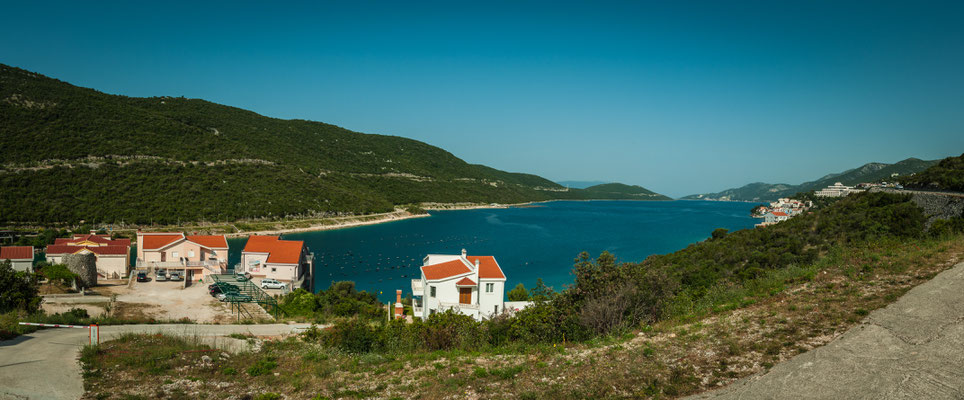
(270, 257)
(113, 256)
(21, 257)
(195, 255)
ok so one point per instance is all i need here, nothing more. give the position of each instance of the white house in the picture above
(112, 255)
(196, 255)
(775, 216)
(270, 257)
(21, 257)
(471, 285)
(836, 190)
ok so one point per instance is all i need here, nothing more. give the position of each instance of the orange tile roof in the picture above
(212, 241)
(279, 251)
(445, 269)
(488, 267)
(152, 242)
(465, 282)
(101, 239)
(780, 213)
(16, 253)
(100, 250)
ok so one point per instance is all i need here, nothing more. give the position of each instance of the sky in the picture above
(680, 97)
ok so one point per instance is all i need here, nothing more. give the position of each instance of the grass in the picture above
(738, 332)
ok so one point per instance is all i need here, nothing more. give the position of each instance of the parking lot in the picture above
(170, 300)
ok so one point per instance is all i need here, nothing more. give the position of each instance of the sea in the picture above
(529, 242)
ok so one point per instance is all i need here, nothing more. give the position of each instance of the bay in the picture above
(538, 241)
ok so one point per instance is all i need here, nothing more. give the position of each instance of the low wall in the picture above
(936, 205)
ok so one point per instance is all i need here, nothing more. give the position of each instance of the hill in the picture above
(579, 184)
(71, 154)
(870, 172)
(948, 174)
(618, 191)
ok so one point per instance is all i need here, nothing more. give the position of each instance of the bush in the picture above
(352, 335)
(18, 290)
(262, 367)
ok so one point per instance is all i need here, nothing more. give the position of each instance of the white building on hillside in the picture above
(471, 285)
(836, 190)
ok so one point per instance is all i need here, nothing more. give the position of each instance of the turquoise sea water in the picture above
(528, 242)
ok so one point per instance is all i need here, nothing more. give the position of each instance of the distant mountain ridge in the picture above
(70, 154)
(870, 172)
(580, 184)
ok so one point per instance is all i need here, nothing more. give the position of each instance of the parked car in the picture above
(161, 274)
(272, 284)
(142, 277)
(176, 276)
(240, 278)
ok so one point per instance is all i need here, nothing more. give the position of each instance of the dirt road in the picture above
(43, 365)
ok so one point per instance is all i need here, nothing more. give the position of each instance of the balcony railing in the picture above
(417, 289)
(444, 306)
(210, 265)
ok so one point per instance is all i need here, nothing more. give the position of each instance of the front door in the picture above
(465, 295)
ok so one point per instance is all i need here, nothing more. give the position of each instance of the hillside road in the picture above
(911, 349)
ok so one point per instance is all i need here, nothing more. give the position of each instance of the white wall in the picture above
(488, 301)
(22, 265)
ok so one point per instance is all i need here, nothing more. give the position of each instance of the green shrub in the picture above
(262, 367)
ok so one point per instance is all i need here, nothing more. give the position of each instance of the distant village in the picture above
(786, 208)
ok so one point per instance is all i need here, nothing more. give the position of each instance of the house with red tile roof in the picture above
(112, 255)
(471, 285)
(21, 257)
(195, 255)
(270, 257)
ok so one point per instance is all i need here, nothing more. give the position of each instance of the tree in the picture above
(18, 290)
(541, 292)
(519, 293)
(719, 233)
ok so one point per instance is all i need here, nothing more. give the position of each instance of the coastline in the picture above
(350, 222)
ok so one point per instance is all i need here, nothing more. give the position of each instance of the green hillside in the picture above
(871, 172)
(69, 154)
(616, 191)
(948, 174)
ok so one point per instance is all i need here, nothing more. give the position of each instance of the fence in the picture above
(93, 331)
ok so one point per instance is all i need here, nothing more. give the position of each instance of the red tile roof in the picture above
(279, 251)
(488, 267)
(153, 242)
(779, 214)
(100, 250)
(211, 242)
(465, 282)
(100, 239)
(16, 253)
(445, 269)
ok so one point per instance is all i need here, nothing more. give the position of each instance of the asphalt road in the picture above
(912, 349)
(43, 364)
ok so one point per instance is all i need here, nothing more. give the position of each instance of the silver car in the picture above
(272, 284)
(160, 275)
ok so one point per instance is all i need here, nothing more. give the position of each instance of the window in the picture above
(273, 269)
(431, 291)
(190, 253)
(174, 254)
(489, 287)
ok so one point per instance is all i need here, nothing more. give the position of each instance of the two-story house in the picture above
(471, 285)
(269, 257)
(113, 255)
(195, 255)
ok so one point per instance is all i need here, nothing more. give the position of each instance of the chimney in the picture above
(476, 264)
(399, 308)
(463, 253)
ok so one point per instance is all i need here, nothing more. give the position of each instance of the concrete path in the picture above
(912, 349)
(43, 364)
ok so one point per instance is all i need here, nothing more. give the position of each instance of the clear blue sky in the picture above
(680, 97)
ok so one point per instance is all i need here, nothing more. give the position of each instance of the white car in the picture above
(272, 284)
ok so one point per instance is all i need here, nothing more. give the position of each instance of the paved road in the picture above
(43, 364)
(912, 349)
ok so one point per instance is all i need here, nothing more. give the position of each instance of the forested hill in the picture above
(870, 172)
(69, 154)
(947, 175)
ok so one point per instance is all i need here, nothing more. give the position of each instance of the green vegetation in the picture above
(341, 300)
(18, 290)
(871, 172)
(164, 160)
(948, 174)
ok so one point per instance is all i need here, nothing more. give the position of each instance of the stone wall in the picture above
(936, 205)
(85, 266)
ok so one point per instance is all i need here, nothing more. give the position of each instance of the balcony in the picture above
(444, 306)
(210, 265)
(417, 289)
